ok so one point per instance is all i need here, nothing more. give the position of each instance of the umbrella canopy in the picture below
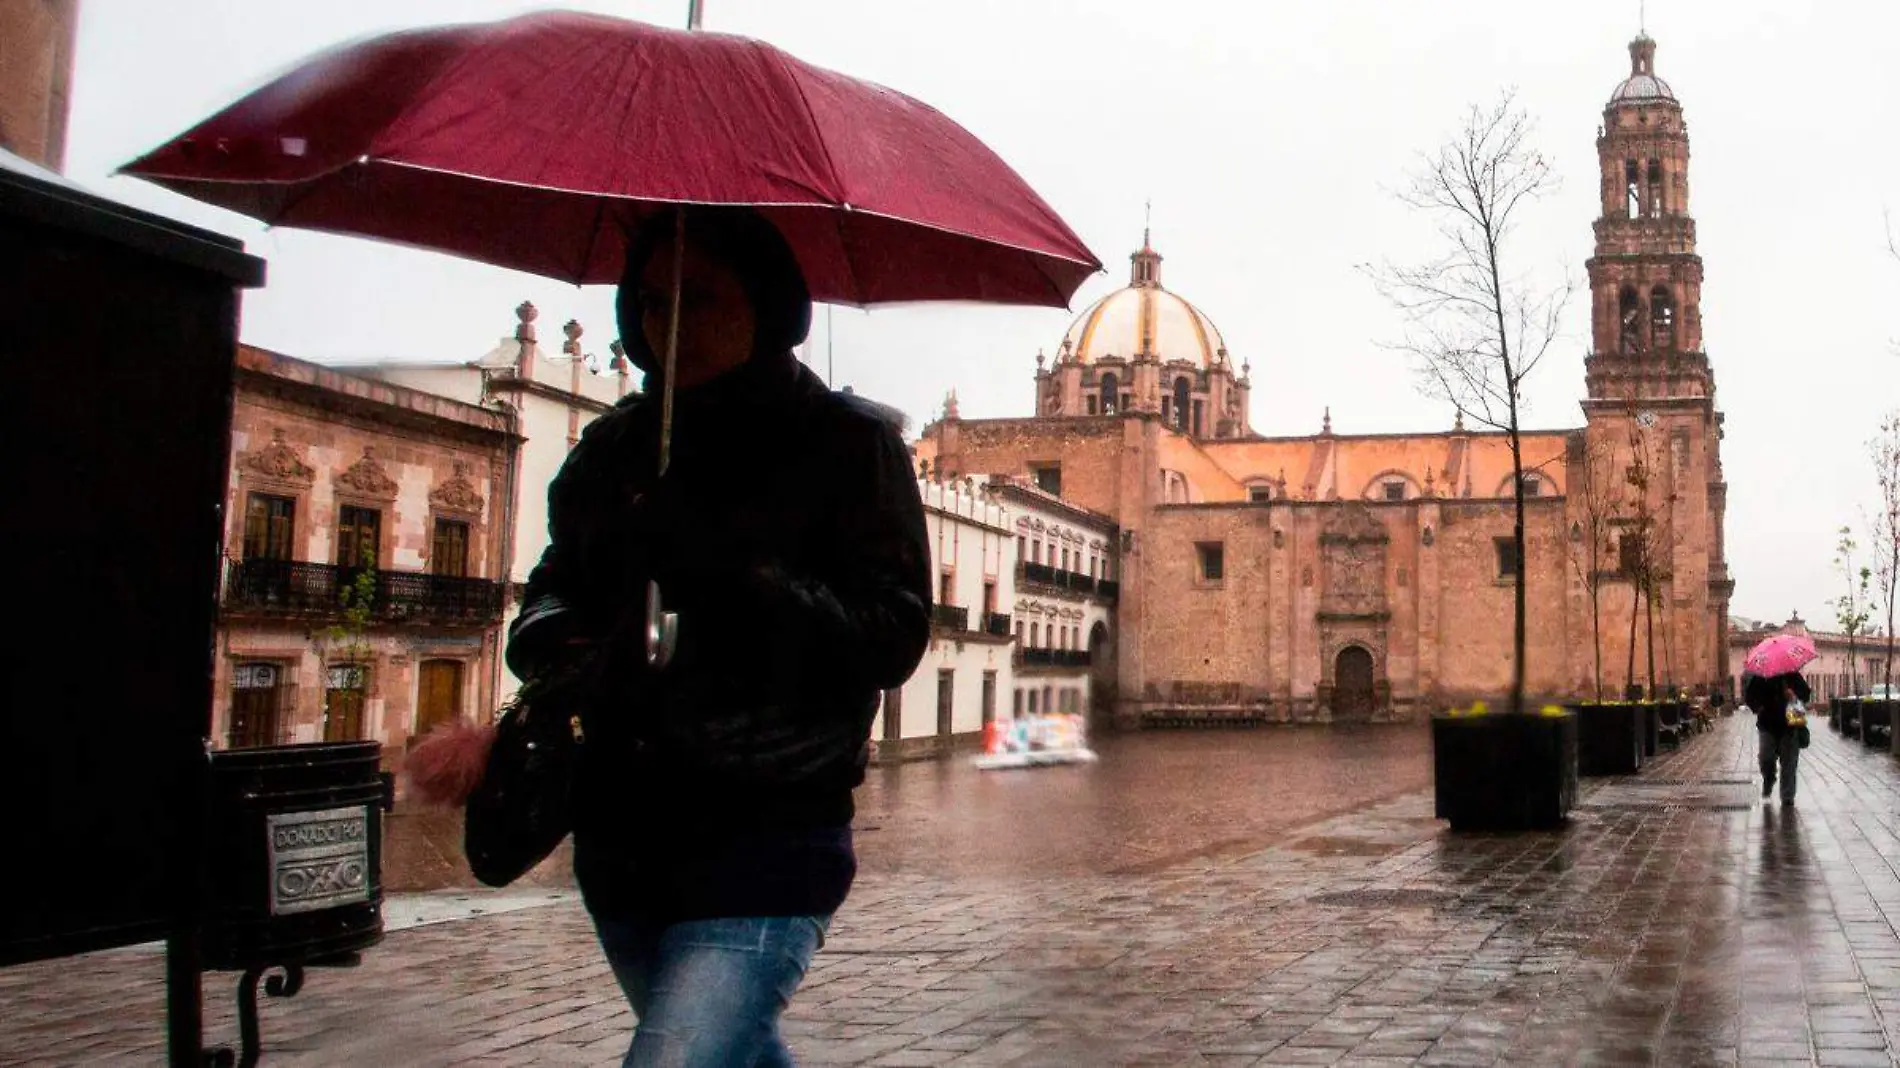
(535, 142)
(1779, 655)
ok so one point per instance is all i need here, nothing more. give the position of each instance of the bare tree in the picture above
(1640, 561)
(1850, 608)
(1601, 504)
(1476, 327)
(1885, 450)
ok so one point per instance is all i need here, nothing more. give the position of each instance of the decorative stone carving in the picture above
(279, 461)
(368, 477)
(1352, 553)
(457, 494)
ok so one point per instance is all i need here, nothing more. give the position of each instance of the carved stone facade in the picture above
(341, 485)
(1370, 576)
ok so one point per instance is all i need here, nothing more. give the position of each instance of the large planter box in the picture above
(1504, 772)
(1652, 734)
(1847, 714)
(1876, 723)
(1610, 738)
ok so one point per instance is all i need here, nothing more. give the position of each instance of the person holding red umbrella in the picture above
(712, 833)
(723, 185)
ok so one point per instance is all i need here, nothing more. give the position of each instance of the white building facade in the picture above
(1063, 615)
(1022, 622)
(968, 672)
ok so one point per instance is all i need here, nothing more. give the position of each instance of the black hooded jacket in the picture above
(1768, 699)
(788, 534)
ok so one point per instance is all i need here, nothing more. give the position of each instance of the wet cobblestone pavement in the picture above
(1677, 921)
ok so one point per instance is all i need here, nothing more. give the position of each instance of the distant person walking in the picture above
(1770, 698)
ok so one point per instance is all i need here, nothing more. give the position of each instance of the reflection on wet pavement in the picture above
(1154, 799)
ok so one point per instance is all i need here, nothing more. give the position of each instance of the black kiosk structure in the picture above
(120, 341)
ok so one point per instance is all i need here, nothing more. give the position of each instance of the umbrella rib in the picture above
(831, 166)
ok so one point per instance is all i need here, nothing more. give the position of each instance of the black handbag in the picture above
(524, 805)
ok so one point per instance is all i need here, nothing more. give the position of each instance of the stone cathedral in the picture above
(1341, 577)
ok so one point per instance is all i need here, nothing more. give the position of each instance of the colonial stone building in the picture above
(1369, 576)
(550, 395)
(367, 550)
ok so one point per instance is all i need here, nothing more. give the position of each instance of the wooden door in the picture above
(438, 694)
(1352, 685)
(256, 711)
(345, 690)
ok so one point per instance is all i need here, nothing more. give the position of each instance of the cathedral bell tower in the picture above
(1645, 279)
(1654, 430)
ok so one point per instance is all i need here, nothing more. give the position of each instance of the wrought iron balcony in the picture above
(1042, 573)
(295, 588)
(950, 617)
(998, 624)
(1074, 581)
(1054, 657)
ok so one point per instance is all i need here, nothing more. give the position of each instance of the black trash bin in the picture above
(293, 857)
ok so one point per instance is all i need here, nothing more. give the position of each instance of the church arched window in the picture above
(1632, 190)
(1629, 318)
(1662, 320)
(1111, 395)
(1181, 403)
(1655, 190)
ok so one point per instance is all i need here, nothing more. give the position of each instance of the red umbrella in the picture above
(532, 143)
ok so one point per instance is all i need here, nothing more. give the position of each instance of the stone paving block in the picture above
(1718, 937)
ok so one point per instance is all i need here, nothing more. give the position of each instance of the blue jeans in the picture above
(708, 993)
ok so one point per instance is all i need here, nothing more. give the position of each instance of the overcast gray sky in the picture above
(1267, 134)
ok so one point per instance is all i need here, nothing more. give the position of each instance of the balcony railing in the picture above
(1054, 657)
(1042, 573)
(950, 617)
(1074, 581)
(997, 623)
(290, 587)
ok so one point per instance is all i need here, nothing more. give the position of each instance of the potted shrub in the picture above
(1504, 771)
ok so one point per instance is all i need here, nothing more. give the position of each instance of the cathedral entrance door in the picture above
(1352, 685)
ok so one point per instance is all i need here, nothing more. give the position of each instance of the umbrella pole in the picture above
(663, 626)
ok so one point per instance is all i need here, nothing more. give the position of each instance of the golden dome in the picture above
(1144, 320)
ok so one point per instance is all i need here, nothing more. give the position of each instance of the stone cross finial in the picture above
(950, 405)
(1326, 424)
(1458, 422)
(1039, 359)
(527, 313)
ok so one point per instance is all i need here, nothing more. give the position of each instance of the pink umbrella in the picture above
(1780, 655)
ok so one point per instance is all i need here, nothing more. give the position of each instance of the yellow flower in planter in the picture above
(1477, 709)
(1553, 711)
